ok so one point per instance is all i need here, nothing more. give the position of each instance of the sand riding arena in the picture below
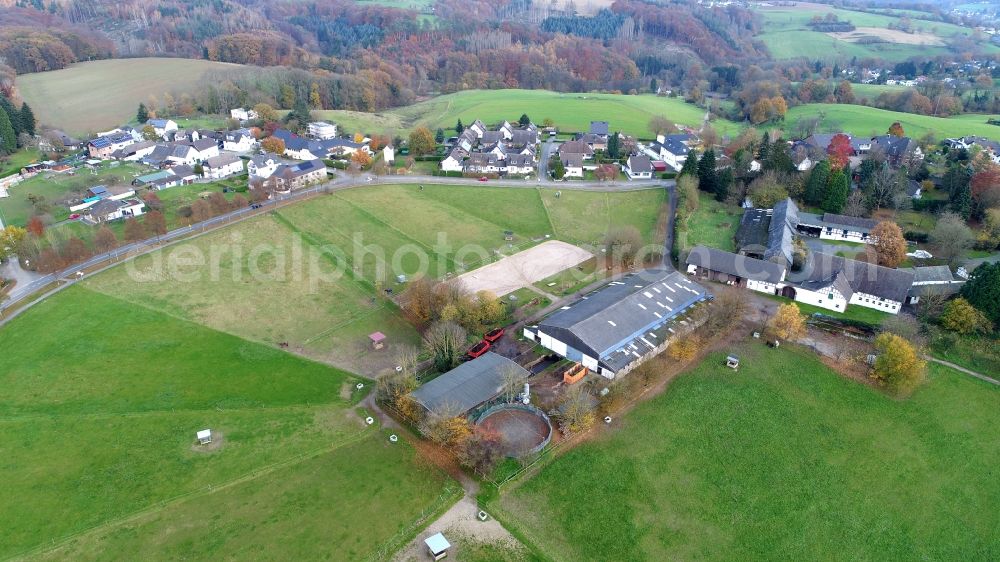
(523, 429)
(524, 268)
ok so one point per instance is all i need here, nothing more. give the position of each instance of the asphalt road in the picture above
(22, 292)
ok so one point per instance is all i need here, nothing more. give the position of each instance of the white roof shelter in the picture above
(438, 545)
(205, 436)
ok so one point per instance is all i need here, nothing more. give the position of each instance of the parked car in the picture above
(478, 349)
(74, 216)
(484, 178)
(493, 335)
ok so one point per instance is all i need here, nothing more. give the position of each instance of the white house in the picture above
(671, 149)
(223, 165)
(162, 126)
(638, 167)
(322, 130)
(734, 269)
(183, 154)
(520, 165)
(834, 282)
(477, 128)
(389, 154)
(241, 114)
(454, 162)
(573, 163)
(107, 210)
(831, 226)
(205, 149)
(262, 165)
(240, 140)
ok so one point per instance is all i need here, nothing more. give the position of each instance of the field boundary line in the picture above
(199, 492)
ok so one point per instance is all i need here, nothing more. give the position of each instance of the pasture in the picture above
(714, 224)
(311, 276)
(102, 398)
(869, 121)
(784, 457)
(98, 95)
(787, 35)
(570, 111)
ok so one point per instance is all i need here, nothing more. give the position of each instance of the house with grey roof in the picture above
(222, 166)
(934, 280)
(898, 151)
(768, 234)
(614, 329)
(467, 386)
(733, 269)
(833, 282)
(671, 149)
(831, 226)
(638, 167)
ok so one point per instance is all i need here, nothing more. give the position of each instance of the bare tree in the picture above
(512, 377)
(446, 342)
(951, 237)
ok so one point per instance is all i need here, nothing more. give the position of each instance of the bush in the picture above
(918, 237)
(453, 174)
(669, 175)
(929, 205)
(431, 158)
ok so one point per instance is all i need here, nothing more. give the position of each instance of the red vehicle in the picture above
(493, 335)
(478, 349)
(484, 178)
(74, 216)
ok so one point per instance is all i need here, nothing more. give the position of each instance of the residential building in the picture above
(576, 147)
(671, 149)
(294, 176)
(241, 114)
(223, 165)
(831, 226)
(205, 149)
(240, 140)
(573, 163)
(162, 126)
(638, 167)
(107, 210)
(614, 329)
(898, 151)
(262, 165)
(321, 130)
(104, 146)
(134, 152)
(734, 269)
(833, 282)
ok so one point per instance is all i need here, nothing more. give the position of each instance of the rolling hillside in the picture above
(98, 95)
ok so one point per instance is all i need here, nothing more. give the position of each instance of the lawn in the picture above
(584, 218)
(12, 163)
(785, 459)
(101, 401)
(98, 95)
(978, 353)
(714, 224)
(570, 111)
(57, 189)
(869, 121)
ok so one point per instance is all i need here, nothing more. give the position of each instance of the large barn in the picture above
(617, 327)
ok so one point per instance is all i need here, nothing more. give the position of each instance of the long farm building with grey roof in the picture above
(612, 330)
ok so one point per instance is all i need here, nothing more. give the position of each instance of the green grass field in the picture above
(94, 96)
(101, 401)
(571, 112)
(12, 163)
(307, 276)
(714, 224)
(785, 459)
(57, 189)
(866, 121)
(787, 35)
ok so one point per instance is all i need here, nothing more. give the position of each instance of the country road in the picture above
(108, 259)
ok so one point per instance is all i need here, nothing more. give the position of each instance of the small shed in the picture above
(377, 339)
(204, 436)
(508, 235)
(733, 362)
(437, 545)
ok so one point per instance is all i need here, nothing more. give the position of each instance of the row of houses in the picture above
(508, 150)
(305, 148)
(128, 143)
(898, 151)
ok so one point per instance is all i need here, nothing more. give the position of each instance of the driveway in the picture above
(543, 162)
(11, 269)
